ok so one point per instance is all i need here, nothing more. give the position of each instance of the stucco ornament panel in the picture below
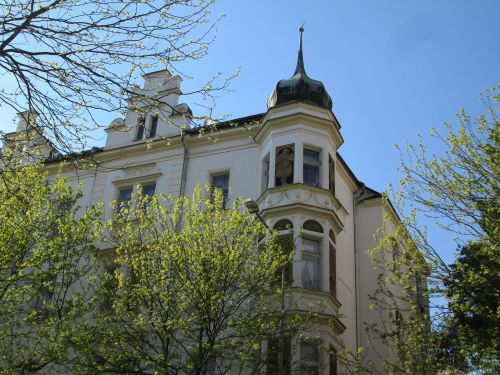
(299, 194)
(138, 172)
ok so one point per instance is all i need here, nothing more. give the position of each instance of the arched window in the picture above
(313, 226)
(283, 224)
(311, 256)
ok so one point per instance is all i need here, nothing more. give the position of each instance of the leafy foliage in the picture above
(189, 289)
(473, 291)
(460, 192)
(46, 255)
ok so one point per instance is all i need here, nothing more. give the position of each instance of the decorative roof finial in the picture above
(300, 60)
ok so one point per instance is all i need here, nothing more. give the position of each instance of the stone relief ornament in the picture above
(284, 165)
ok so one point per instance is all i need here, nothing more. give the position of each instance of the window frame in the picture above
(141, 127)
(122, 202)
(153, 125)
(133, 185)
(224, 189)
(46, 292)
(308, 163)
(266, 170)
(332, 262)
(333, 360)
(310, 256)
(306, 363)
(109, 270)
(286, 234)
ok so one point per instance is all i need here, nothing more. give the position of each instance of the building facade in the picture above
(287, 161)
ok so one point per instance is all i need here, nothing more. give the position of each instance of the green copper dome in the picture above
(300, 87)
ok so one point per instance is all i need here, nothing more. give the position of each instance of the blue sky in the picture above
(394, 69)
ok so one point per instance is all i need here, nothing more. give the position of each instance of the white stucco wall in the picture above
(127, 162)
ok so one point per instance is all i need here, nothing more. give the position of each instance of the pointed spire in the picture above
(300, 60)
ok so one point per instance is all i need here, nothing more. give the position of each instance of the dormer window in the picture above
(154, 125)
(140, 128)
(312, 164)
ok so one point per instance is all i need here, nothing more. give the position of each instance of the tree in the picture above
(400, 337)
(460, 192)
(71, 60)
(189, 289)
(46, 256)
(473, 292)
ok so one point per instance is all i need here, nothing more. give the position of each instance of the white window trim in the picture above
(134, 182)
(313, 236)
(220, 172)
(319, 163)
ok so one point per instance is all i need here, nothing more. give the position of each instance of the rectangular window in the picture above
(124, 199)
(333, 271)
(331, 175)
(46, 292)
(311, 258)
(61, 215)
(140, 128)
(109, 286)
(221, 182)
(395, 258)
(265, 173)
(286, 243)
(211, 366)
(154, 125)
(312, 163)
(333, 361)
(273, 355)
(147, 192)
(309, 358)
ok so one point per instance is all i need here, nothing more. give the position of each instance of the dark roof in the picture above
(228, 124)
(300, 87)
(74, 155)
(368, 193)
(216, 126)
